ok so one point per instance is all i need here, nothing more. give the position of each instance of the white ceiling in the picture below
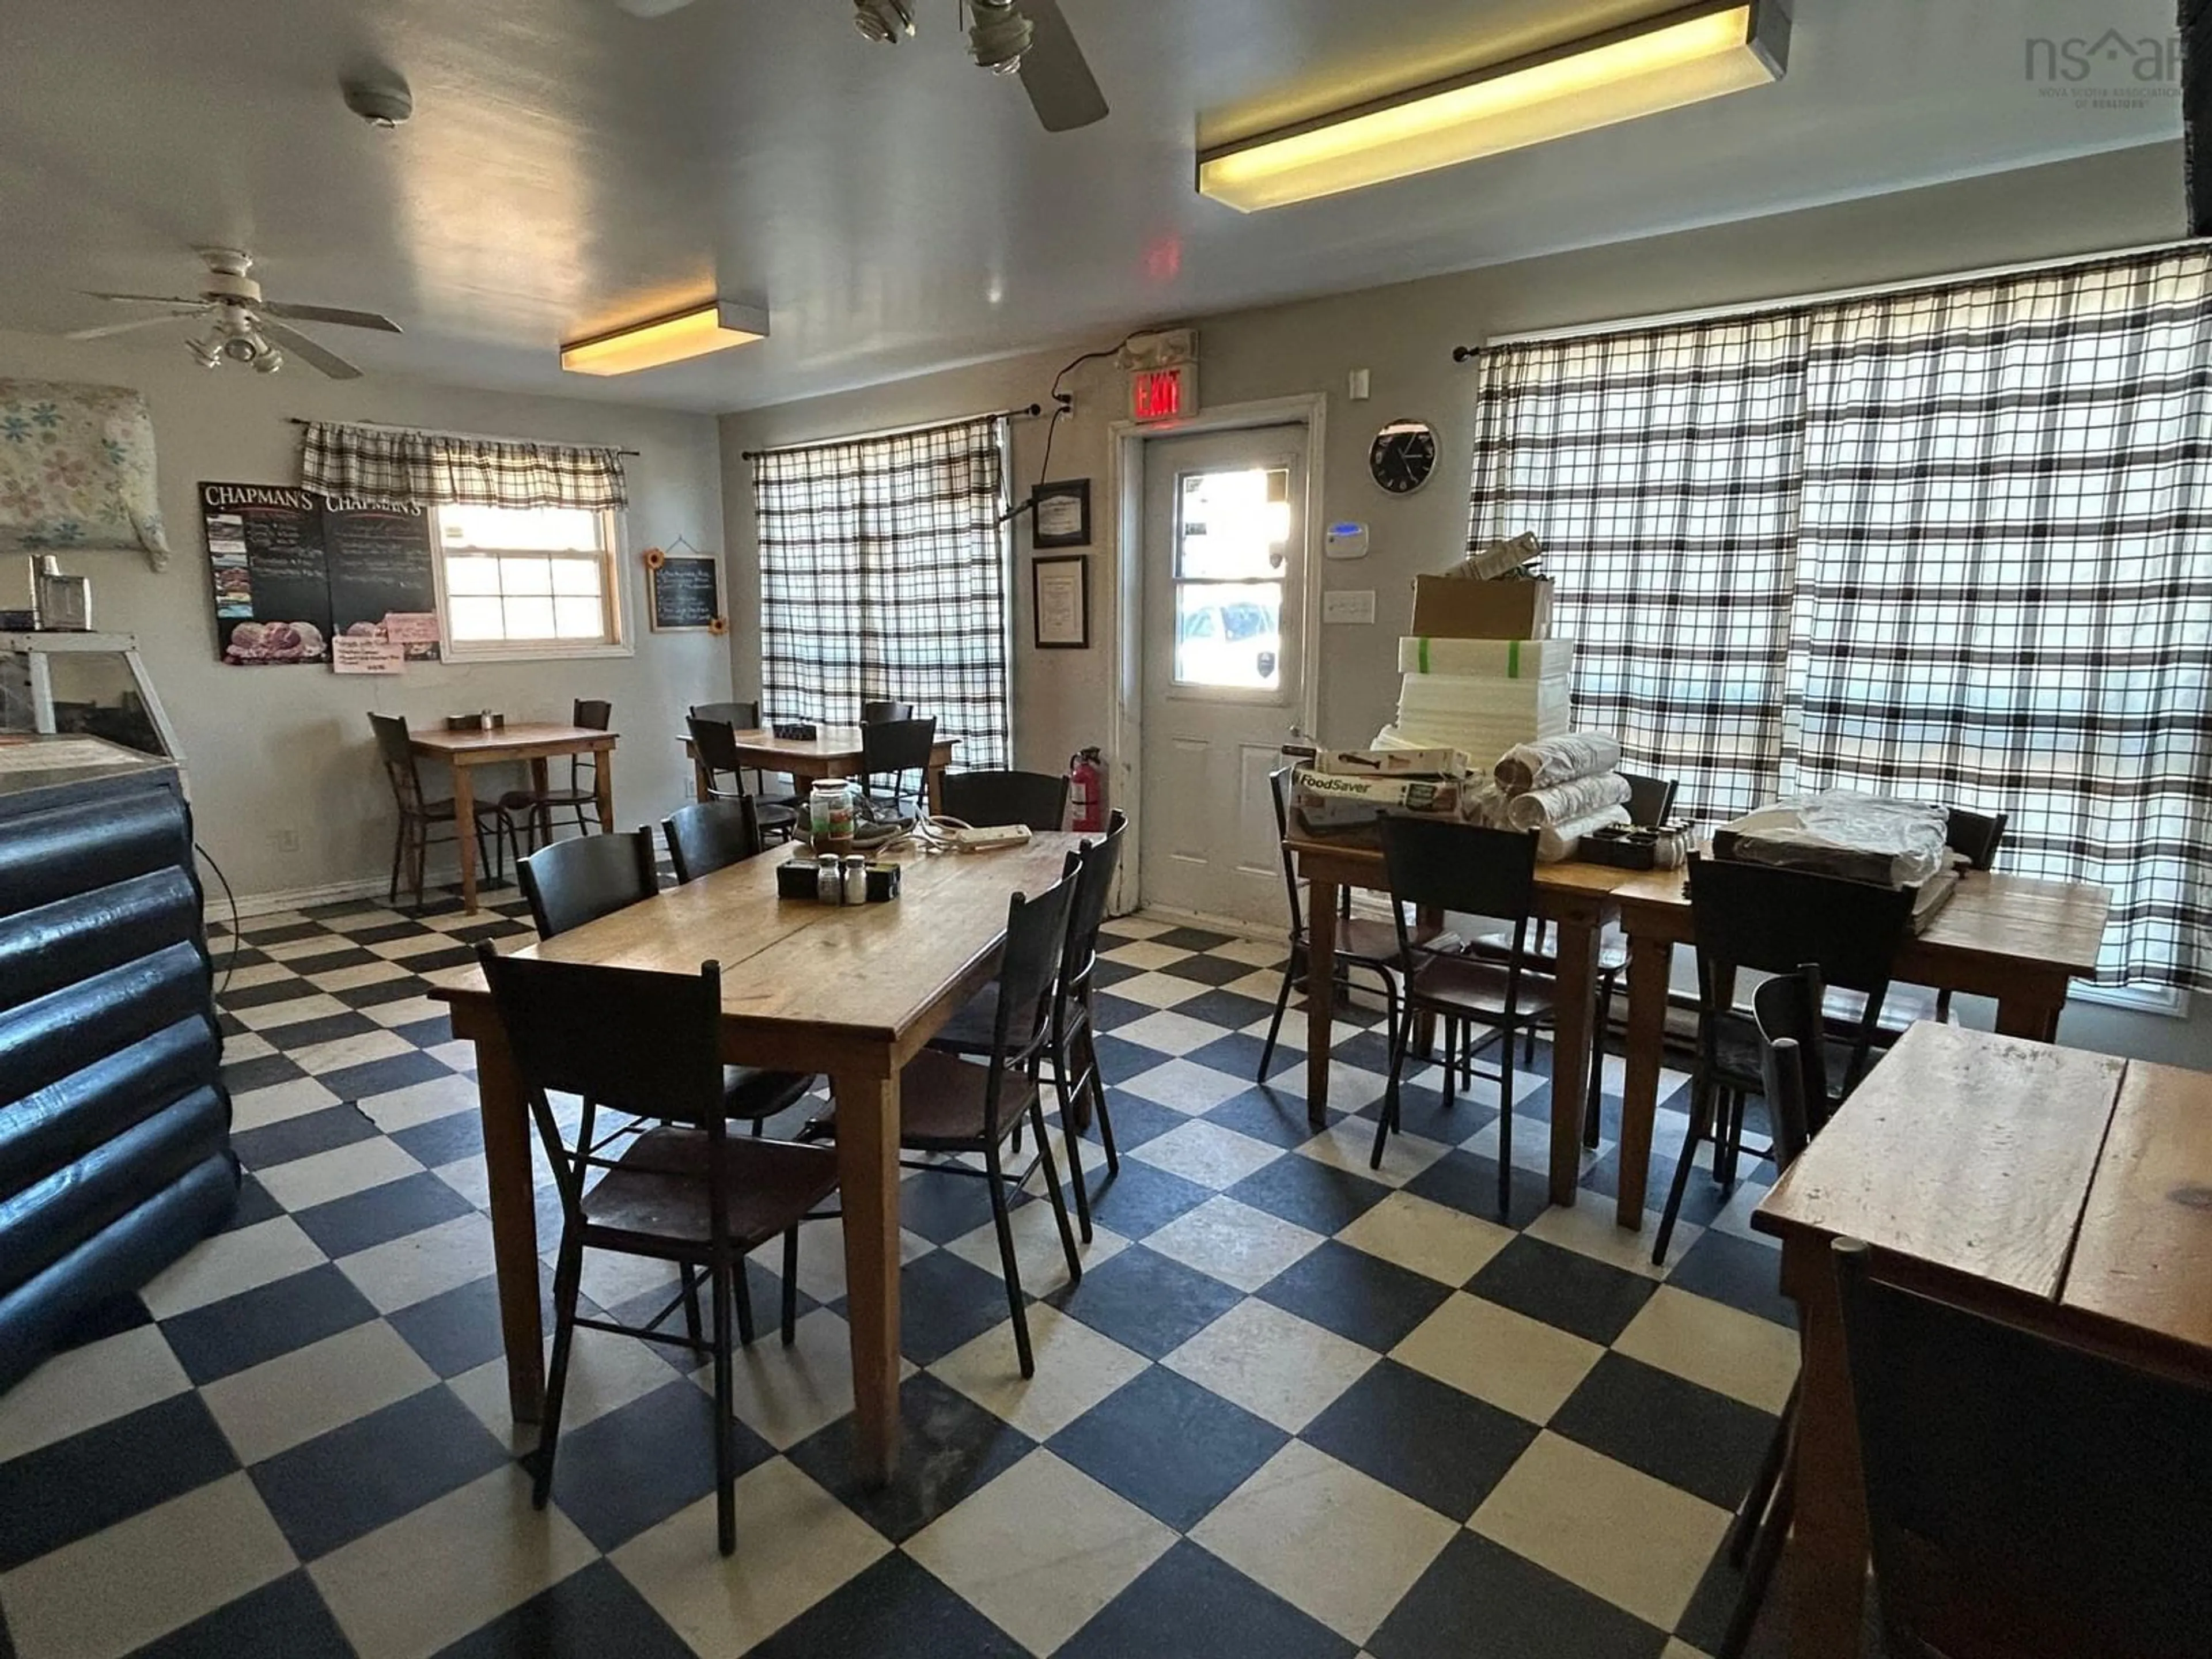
(571, 168)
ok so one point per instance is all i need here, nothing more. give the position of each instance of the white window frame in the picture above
(614, 551)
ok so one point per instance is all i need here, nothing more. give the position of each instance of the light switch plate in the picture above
(1348, 605)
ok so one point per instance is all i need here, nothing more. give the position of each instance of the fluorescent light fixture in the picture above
(714, 326)
(1679, 57)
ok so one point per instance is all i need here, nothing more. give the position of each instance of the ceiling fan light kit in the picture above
(243, 324)
(715, 325)
(1679, 57)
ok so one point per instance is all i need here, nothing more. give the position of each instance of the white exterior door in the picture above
(1224, 540)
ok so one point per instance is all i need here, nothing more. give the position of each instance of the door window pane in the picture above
(1233, 527)
(1229, 634)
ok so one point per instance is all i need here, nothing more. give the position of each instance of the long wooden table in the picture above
(2066, 1191)
(2017, 940)
(835, 754)
(851, 993)
(534, 743)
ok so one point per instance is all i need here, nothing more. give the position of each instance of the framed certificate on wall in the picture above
(1062, 594)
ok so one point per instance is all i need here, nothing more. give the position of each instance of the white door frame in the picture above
(1125, 487)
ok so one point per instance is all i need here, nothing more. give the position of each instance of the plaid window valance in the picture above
(436, 468)
(1953, 543)
(883, 575)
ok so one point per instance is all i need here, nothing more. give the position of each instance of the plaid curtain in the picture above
(883, 575)
(1949, 544)
(1661, 469)
(2006, 598)
(393, 464)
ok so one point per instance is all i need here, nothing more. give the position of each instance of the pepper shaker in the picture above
(829, 881)
(856, 880)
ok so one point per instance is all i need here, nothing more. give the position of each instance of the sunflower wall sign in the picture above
(687, 591)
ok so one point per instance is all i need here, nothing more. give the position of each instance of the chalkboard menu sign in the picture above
(687, 592)
(291, 568)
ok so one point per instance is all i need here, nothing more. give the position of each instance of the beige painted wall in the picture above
(1404, 335)
(270, 751)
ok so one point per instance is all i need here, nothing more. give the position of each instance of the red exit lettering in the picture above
(1156, 394)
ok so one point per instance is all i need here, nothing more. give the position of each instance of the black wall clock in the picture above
(1403, 456)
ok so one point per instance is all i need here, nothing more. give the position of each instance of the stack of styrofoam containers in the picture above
(1480, 697)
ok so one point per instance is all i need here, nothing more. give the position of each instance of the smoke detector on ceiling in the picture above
(383, 101)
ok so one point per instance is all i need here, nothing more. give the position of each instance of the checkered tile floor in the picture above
(1293, 1408)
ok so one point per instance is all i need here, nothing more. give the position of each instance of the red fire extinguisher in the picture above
(1086, 792)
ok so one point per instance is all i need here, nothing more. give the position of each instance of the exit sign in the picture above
(1168, 393)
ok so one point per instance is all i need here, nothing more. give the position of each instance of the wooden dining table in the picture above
(2020, 941)
(851, 994)
(835, 754)
(531, 743)
(2067, 1192)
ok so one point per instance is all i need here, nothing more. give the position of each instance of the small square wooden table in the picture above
(536, 744)
(835, 754)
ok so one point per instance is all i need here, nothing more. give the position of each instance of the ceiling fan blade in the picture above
(299, 345)
(124, 328)
(145, 298)
(1055, 74)
(331, 314)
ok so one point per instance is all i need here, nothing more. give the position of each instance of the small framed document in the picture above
(1062, 596)
(1063, 513)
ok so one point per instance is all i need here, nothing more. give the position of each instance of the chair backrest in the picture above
(572, 882)
(2025, 1496)
(1793, 1058)
(744, 716)
(1279, 785)
(593, 714)
(1465, 867)
(1038, 799)
(1651, 800)
(874, 711)
(1094, 890)
(397, 750)
(711, 836)
(1028, 967)
(1974, 835)
(714, 743)
(896, 746)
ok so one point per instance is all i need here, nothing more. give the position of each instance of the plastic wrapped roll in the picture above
(1557, 844)
(1551, 761)
(1563, 803)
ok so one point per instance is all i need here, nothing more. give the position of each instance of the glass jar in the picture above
(830, 810)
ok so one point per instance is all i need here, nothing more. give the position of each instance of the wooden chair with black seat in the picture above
(1793, 1063)
(574, 882)
(711, 836)
(2026, 1497)
(419, 816)
(533, 809)
(1467, 870)
(1362, 942)
(714, 744)
(646, 1044)
(874, 711)
(949, 1106)
(986, 800)
(1074, 1050)
(1760, 918)
(888, 751)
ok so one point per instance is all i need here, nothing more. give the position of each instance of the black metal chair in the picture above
(2026, 1497)
(1974, 836)
(949, 1106)
(711, 836)
(683, 1192)
(1073, 1052)
(1468, 870)
(739, 716)
(874, 711)
(714, 743)
(1651, 800)
(534, 808)
(574, 882)
(1368, 945)
(1761, 919)
(1793, 1063)
(1038, 799)
(419, 816)
(892, 749)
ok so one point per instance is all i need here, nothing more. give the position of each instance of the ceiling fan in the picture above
(1028, 38)
(243, 328)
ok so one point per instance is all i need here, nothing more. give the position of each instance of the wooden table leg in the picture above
(1571, 1053)
(2031, 1014)
(868, 1176)
(1828, 1545)
(603, 788)
(703, 780)
(465, 832)
(934, 779)
(1649, 962)
(541, 815)
(1321, 996)
(1425, 1019)
(513, 1222)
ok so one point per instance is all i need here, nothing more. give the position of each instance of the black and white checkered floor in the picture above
(1293, 1408)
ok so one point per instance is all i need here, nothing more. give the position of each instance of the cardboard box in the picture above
(1390, 763)
(1456, 608)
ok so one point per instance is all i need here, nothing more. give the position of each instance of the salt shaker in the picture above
(856, 880)
(829, 881)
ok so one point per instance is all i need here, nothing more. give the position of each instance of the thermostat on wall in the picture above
(1346, 541)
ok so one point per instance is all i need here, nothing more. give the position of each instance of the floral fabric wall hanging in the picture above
(76, 469)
